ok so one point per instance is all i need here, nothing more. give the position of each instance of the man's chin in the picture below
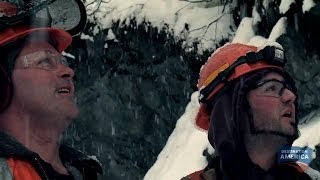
(290, 134)
(72, 114)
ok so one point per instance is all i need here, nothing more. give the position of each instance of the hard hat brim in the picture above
(61, 38)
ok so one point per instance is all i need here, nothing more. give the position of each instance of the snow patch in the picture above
(285, 5)
(207, 24)
(278, 29)
(244, 32)
(182, 153)
(111, 35)
(68, 55)
(86, 37)
(307, 5)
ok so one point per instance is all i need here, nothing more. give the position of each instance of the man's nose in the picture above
(65, 71)
(288, 96)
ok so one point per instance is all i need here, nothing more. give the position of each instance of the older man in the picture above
(37, 105)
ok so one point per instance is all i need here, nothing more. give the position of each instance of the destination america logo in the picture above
(294, 154)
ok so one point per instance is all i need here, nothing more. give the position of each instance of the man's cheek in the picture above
(265, 104)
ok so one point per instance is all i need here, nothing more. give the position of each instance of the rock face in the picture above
(130, 96)
(131, 92)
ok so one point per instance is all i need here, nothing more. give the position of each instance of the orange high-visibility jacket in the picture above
(16, 169)
(19, 163)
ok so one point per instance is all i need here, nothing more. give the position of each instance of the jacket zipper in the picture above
(41, 168)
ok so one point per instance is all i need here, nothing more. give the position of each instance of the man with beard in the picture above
(249, 106)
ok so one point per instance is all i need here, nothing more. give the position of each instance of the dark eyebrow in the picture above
(259, 83)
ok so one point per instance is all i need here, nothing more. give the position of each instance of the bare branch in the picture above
(197, 1)
(98, 6)
(224, 6)
(208, 25)
(197, 28)
(212, 23)
(182, 8)
(132, 6)
(90, 3)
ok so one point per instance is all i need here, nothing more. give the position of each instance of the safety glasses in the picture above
(69, 15)
(45, 60)
(272, 88)
(269, 54)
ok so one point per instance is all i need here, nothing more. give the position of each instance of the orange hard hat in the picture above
(16, 24)
(62, 38)
(228, 63)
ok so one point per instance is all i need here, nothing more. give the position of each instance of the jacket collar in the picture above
(9, 147)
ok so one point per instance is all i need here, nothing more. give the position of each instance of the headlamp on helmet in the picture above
(69, 15)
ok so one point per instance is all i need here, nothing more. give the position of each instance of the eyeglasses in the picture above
(272, 88)
(46, 60)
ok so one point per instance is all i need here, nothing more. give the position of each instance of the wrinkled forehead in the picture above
(35, 46)
(38, 48)
(11, 52)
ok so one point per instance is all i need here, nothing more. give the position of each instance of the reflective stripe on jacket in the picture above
(22, 170)
(5, 171)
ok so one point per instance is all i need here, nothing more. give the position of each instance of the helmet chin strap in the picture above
(290, 138)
